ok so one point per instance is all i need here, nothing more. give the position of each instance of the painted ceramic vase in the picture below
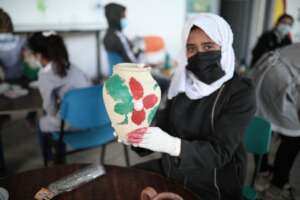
(131, 97)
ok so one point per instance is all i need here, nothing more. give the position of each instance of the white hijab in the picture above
(220, 32)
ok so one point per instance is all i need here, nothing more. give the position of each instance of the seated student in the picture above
(270, 40)
(56, 77)
(11, 47)
(115, 40)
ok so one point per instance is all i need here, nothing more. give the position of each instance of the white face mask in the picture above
(35, 64)
(124, 23)
(284, 29)
(31, 60)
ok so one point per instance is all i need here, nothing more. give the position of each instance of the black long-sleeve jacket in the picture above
(112, 43)
(212, 161)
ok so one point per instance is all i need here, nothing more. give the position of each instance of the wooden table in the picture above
(118, 183)
(32, 102)
(28, 103)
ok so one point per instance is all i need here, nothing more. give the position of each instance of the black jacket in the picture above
(112, 43)
(212, 162)
(268, 42)
(114, 13)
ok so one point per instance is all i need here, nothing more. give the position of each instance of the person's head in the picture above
(198, 41)
(116, 16)
(207, 59)
(49, 47)
(208, 46)
(6, 25)
(285, 19)
(284, 24)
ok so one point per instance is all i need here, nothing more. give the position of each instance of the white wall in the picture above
(82, 51)
(256, 26)
(145, 17)
(293, 8)
(32, 15)
(156, 17)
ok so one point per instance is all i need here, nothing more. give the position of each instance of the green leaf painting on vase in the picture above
(118, 90)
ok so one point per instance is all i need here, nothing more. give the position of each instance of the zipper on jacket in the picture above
(169, 166)
(185, 180)
(214, 108)
(213, 129)
(216, 184)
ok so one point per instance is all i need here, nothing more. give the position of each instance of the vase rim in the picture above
(131, 67)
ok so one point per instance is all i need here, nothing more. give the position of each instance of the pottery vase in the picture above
(131, 97)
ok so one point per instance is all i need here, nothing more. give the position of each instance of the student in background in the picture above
(277, 37)
(115, 40)
(278, 96)
(56, 77)
(11, 47)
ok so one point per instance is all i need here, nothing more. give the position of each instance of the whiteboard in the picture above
(60, 15)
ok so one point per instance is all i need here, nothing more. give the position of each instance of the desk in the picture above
(119, 183)
(29, 103)
(32, 102)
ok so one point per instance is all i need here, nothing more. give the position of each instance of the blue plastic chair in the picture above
(82, 109)
(257, 141)
(113, 59)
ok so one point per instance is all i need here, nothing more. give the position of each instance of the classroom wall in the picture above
(82, 51)
(293, 8)
(84, 16)
(155, 17)
(256, 26)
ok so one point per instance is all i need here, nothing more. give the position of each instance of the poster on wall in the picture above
(196, 6)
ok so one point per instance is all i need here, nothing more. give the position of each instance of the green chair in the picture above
(257, 141)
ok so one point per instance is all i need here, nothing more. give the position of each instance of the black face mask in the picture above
(206, 66)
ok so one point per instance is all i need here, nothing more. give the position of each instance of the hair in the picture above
(194, 28)
(6, 25)
(284, 16)
(52, 48)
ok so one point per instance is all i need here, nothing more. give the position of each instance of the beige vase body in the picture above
(131, 97)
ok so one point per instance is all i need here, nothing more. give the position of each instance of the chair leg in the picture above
(46, 146)
(256, 170)
(126, 153)
(103, 150)
(60, 157)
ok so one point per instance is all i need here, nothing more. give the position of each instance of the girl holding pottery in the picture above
(200, 132)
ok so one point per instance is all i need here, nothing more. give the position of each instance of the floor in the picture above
(22, 151)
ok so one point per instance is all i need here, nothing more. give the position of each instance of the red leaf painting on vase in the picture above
(140, 101)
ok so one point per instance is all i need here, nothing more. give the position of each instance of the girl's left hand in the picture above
(157, 140)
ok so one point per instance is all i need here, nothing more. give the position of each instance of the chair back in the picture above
(84, 108)
(258, 136)
(113, 59)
